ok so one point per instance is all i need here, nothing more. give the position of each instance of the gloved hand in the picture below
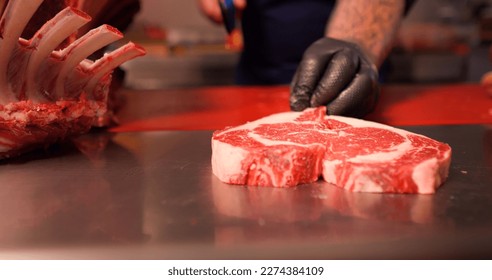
(337, 74)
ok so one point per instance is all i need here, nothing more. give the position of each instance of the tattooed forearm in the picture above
(371, 24)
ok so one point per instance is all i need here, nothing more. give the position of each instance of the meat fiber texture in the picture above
(292, 148)
(49, 90)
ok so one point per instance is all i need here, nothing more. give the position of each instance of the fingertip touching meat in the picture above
(291, 148)
(49, 90)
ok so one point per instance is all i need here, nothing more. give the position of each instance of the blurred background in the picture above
(440, 41)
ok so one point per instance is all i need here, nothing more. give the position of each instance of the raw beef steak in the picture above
(291, 148)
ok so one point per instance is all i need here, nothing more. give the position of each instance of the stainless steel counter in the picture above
(152, 195)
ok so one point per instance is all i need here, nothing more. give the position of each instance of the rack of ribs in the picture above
(49, 89)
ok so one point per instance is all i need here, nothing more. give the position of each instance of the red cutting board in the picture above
(217, 107)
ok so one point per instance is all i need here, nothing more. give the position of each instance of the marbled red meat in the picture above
(292, 148)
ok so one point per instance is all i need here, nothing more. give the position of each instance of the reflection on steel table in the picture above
(152, 195)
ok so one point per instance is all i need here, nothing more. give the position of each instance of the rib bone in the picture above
(50, 36)
(33, 70)
(14, 19)
(74, 54)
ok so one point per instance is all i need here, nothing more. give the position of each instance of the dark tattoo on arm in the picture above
(371, 24)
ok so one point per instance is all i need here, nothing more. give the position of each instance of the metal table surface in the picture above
(152, 195)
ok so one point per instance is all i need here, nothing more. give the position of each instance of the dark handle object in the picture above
(228, 14)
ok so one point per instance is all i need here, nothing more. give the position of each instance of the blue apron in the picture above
(276, 34)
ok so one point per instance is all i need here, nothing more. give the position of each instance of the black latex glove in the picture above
(337, 74)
